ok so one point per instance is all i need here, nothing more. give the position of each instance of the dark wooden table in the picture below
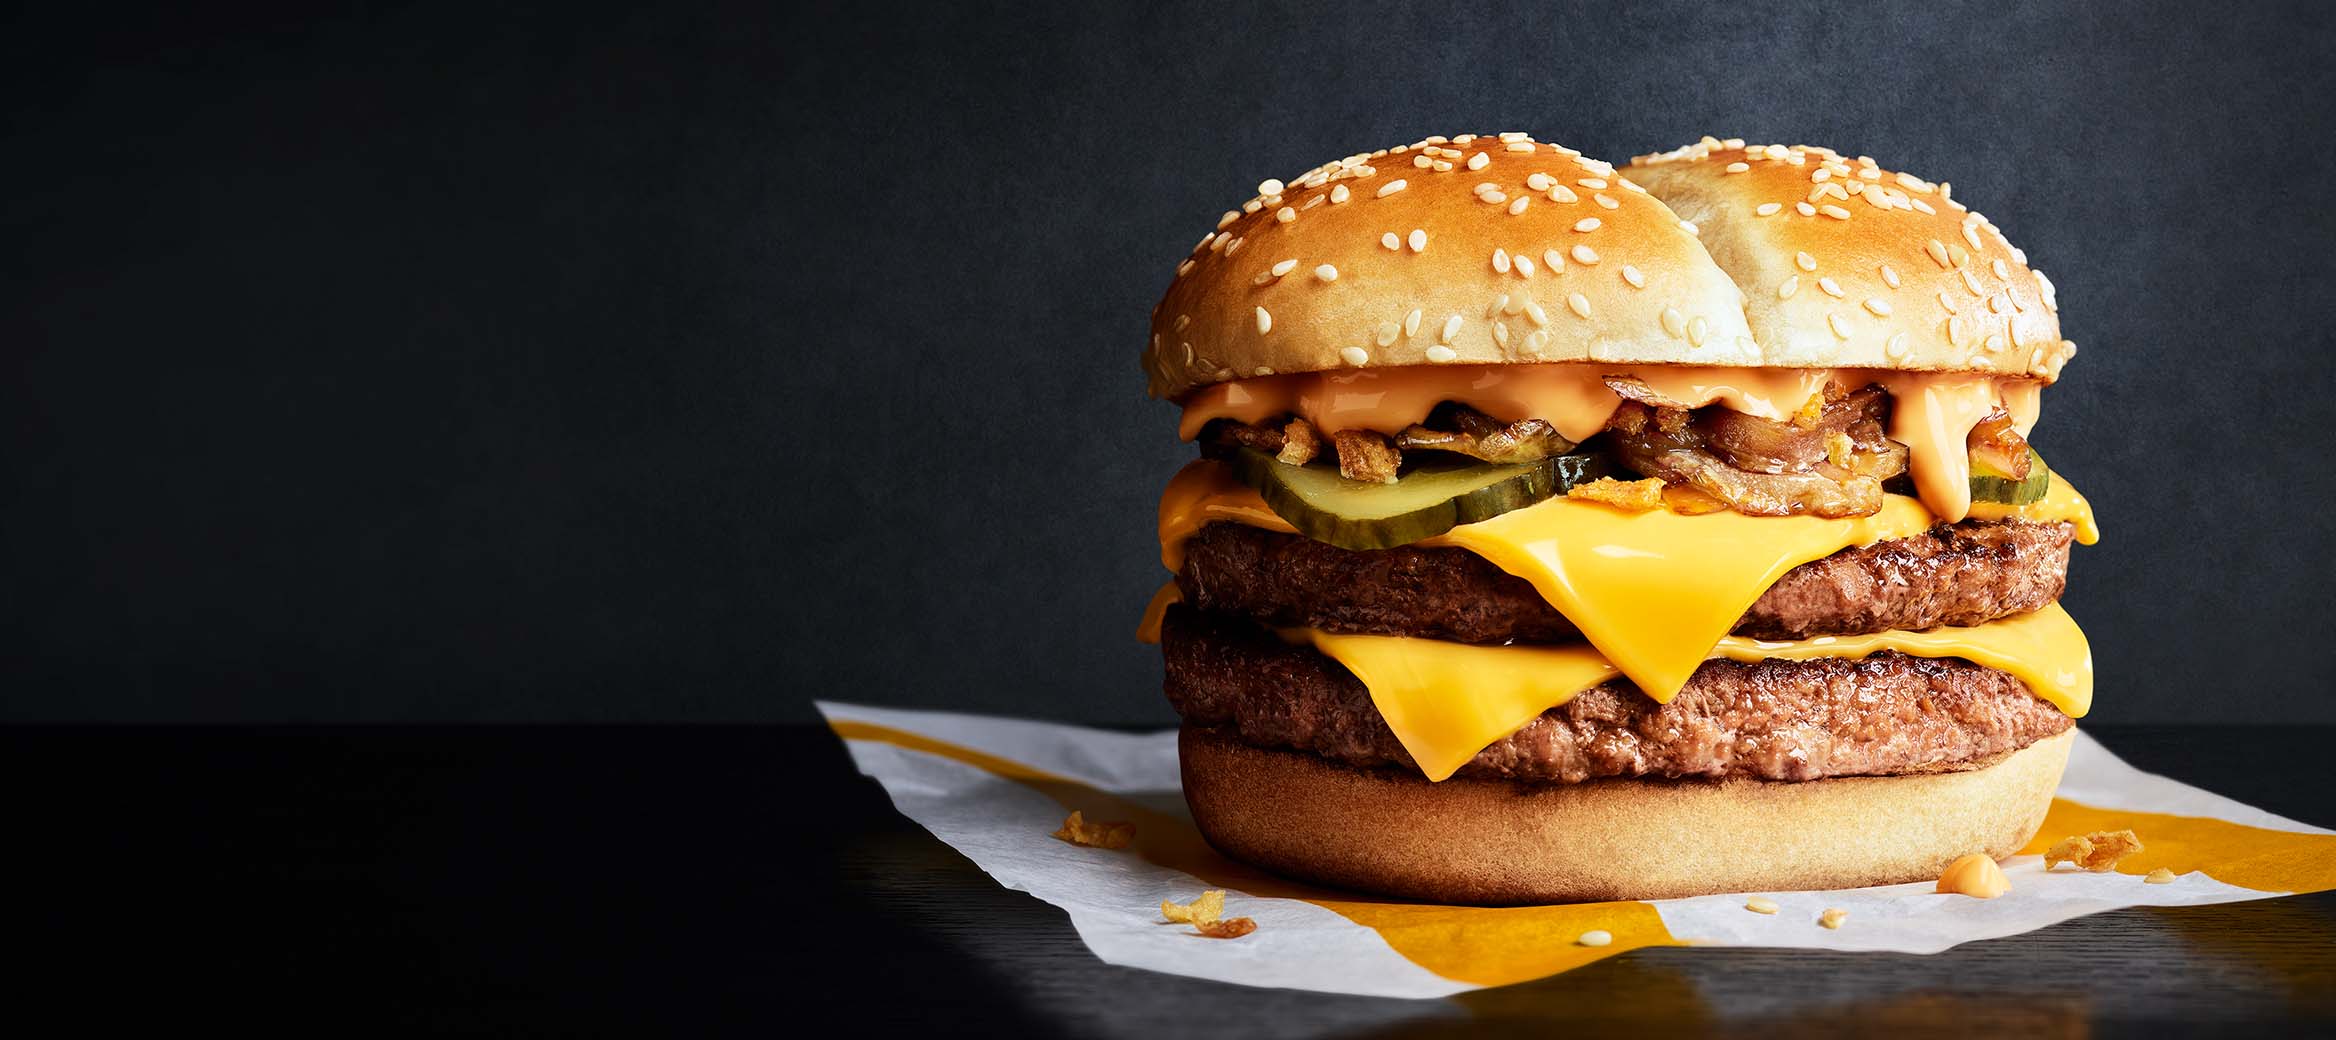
(660, 880)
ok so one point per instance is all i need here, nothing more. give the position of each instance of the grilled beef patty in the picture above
(1884, 715)
(1953, 574)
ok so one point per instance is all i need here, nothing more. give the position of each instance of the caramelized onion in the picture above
(1997, 445)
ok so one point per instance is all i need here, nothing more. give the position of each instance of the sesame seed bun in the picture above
(1502, 250)
(1376, 260)
(1497, 842)
(1846, 264)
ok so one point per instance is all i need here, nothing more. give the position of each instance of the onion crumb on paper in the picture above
(1078, 831)
(1832, 918)
(2160, 876)
(1205, 915)
(1760, 905)
(2098, 852)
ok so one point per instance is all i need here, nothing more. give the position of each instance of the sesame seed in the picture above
(1512, 305)
(1970, 282)
(1697, 328)
(1389, 188)
(1957, 254)
(1605, 201)
(1285, 214)
(1182, 320)
(1673, 323)
(1637, 279)
(1494, 310)
(1493, 197)
(1484, 187)
(1234, 246)
(1284, 267)
(1971, 235)
(1820, 175)
(1835, 212)
(1500, 334)
(1804, 209)
(1896, 348)
(1592, 183)
(1338, 193)
(1411, 323)
(1738, 167)
(1441, 354)
(2051, 294)
(1585, 255)
(1327, 273)
(1536, 312)
(1578, 303)
(1955, 332)
(1995, 305)
(1889, 276)
(1264, 321)
(2000, 270)
(1269, 186)
(1947, 302)
(1479, 161)
(1355, 356)
(1500, 260)
(1418, 240)
(1831, 287)
(1513, 136)
(1390, 241)
(1230, 216)
(1878, 305)
(1994, 344)
(1451, 329)
(1387, 333)
(1804, 261)
(1837, 323)
(1553, 260)
(1519, 205)
(1921, 206)
(1519, 146)
(1596, 937)
(1561, 193)
(1689, 227)
(1423, 161)
(1937, 252)
(1768, 209)
(1587, 224)
(1786, 288)
(1523, 263)
(1538, 181)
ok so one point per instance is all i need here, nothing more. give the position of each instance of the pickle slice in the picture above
(1988, 485)
(1432, 497)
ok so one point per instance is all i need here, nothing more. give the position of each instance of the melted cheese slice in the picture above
(1447, 701)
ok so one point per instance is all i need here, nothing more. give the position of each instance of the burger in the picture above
(1563, 532)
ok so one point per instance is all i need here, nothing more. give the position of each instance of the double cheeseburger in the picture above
(1564, 532)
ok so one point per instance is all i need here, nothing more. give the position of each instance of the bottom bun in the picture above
(1498, 842)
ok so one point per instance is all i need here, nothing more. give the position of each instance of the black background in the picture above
(553, 364)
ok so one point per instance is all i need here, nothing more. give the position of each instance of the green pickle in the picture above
(1430, 498)
(1987, 485)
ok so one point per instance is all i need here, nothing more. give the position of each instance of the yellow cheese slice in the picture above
(1447, 701)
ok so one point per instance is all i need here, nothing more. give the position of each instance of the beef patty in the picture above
(1953, 574)
(1885, 715)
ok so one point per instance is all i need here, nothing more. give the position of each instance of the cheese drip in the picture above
(1446, 702)
(1933, 412)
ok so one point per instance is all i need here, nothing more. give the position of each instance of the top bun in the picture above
(1846, 264)
(1470, 249)
(1499, 250)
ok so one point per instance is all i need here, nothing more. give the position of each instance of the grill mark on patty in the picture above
(1953, 574)
(1885, 715)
